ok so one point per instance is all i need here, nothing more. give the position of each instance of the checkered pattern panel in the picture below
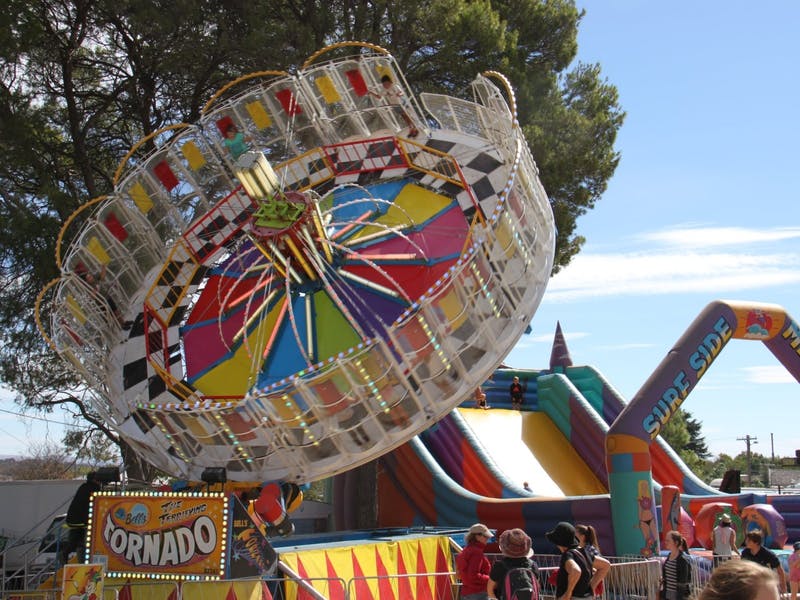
(479, 163)
(220, 224)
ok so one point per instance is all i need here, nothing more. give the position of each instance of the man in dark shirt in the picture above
(77, 518)
(517, 390)
(754, 551)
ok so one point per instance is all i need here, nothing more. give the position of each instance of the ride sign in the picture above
(181, 534)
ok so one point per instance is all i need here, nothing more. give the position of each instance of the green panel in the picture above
(332, 331)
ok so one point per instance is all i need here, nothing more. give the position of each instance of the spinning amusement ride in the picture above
(306, 303)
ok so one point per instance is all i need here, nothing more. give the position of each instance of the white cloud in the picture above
(547, 338)
(768, 374)
(691, 236)
(671, 272)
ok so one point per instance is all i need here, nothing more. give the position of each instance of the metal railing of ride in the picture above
(36, 565)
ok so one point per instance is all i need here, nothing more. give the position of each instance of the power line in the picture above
(45, 419)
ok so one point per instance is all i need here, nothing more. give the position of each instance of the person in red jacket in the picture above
(473, 567)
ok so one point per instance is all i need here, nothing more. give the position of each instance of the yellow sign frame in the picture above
(156, 534)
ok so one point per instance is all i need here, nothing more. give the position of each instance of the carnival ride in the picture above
(445, 477)
(297, 308)
(318, 299)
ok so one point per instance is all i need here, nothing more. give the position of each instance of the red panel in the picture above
(641, 461)
(477, 476)
(357, 82)
(385, 591)
(287, 100)
(424, 591)
(442, 585)
(335, 583)
(665, 471)
(219, 289)
(115, 227)
(403, 583)
(242, 428)
(412, 338)
(165, 175)
(414, 280)
(361, 586)
(223, 124)
(393, 508)
(207, 306)
(125, 593)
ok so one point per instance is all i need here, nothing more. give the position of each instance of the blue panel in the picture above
(286, 357)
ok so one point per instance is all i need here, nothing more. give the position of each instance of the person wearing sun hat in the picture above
(472, 565)
(515, 546)
(577, 574)
(723, 540)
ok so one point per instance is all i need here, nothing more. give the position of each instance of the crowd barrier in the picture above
(629, 578)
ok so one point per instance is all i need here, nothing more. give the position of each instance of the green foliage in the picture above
(697, 443)
(683, 434)
(319, 490)
(91, 447)
(82, 81)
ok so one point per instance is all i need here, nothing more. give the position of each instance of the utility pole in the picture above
(772, 446)
(748, 439)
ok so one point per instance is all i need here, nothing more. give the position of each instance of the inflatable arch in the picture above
(628, 441)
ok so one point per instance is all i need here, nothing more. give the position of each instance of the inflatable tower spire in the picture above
(559, 355)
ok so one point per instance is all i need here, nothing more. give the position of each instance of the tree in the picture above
(92, 447)
(44, 461)
(82, 80)
(697, 442)
(682, 433)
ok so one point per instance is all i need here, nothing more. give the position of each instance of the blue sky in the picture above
(703, 206)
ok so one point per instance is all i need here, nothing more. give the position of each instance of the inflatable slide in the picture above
(448, 476)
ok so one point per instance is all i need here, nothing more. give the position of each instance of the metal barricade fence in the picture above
(432, 586)
(629, 577)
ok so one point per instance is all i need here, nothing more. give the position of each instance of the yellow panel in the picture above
(234, 376)
(193, 155)
(383, 70)
(413, 205)
(208, 590)
(327, 89)
(412, 558)
(142, 590)
(504, 237)
(96, 249)
(259, 115)
(453, 308)
(192, 424)
(141, 198)
(558, 456)
(75, 309)
(288, 410)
